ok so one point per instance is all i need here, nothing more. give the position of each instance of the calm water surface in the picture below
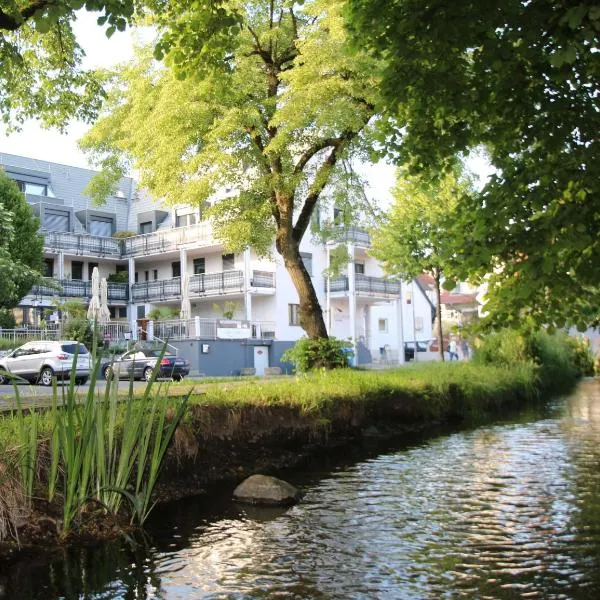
(508, 510)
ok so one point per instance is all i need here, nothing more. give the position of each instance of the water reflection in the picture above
(510, 510)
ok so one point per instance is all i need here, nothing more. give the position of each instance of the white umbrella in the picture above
(104, 313)
(94, 307)
(186, 307)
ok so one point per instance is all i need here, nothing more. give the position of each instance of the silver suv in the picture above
(40, 361)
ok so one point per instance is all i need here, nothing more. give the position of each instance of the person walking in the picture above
(453, 350)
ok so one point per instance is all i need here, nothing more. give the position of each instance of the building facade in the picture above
(158, 257)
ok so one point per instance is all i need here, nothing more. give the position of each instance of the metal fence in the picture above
(82, 244)
(365, 284)
(170, 239)
(206, 329)
(75, 288)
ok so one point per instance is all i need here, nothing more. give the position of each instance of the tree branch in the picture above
(11, 23)
(321, 181)
(321, 145)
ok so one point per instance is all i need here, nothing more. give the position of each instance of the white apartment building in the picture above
(243, 309)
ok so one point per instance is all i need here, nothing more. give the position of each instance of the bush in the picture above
(120, 235)
(120, 277)
(583, 357)
(505, 348)
(322, 353)
(79, 329)
(7, 319)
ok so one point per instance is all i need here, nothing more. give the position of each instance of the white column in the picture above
(183, 261)
(60, 267)
(131, 308)
(150, 331)
(352, 303)
(247, 284)
(400, 327)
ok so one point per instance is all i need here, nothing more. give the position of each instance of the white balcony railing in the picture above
(207, 329)
(169, 239)
(365, 284)
(82, 244)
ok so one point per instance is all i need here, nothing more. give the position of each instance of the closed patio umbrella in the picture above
(94, 307)
(104, 314)
(186, 308)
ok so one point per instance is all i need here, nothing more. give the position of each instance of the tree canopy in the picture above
(521, 78)
(21, 247)
(258, 107)
(40, 59)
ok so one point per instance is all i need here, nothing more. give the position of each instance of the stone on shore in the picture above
(262, 489)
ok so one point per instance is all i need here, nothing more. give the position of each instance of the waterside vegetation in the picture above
(96, 467)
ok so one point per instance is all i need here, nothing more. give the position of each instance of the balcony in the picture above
(167, 240)
(373, 286)
(82, 244)
(75, 288)
(353, 235)
(210, 329)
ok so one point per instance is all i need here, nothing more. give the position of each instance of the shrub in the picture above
(120, 235)
(7, 319)
(79, 329)
(120, 277)
(583, 357)
(505, 348)
(322, 353)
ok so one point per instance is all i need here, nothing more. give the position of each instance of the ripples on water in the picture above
(504, 511)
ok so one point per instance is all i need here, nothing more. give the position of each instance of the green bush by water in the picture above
(323, 353)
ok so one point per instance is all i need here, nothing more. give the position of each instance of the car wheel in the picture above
(178, 377)
(81, 380)
(148, 373)
(46, 375)
(3, 378)
(108, 373)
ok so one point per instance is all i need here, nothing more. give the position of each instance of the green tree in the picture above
(40, 74)
(265, 104)
(21, 248)
(521, 78)
(416, 235)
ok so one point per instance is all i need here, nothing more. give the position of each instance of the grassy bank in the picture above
(102, 462)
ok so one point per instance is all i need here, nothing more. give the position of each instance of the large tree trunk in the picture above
(311, 313)
(438, 295)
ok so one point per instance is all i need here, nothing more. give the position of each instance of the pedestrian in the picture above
(453, 350)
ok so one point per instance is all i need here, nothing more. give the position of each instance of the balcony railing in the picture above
(75, 288)
(82, 244)
(365, 284)
(354, 235)
(207, 329)
(216, 282)
(163, 241)
(263, 279)
(161, 289)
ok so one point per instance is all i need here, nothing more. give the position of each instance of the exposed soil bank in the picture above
(220, 442)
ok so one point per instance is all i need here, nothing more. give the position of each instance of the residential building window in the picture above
(228, 262)
(294, 314)
(307, 260)
(77, 270)
(419, 323)
(91, 266)
(55, 220)
(48, 267)
(359, 268)
(121, 312)
(383, 325)
(184, 220)
(146, 227)
(102, 227)
(146, 275)
(141, 312)
(176, 269)
(36, 189)
(155, 274)
(338, 215)
(409, 296)
(137, 277)
(199, 266)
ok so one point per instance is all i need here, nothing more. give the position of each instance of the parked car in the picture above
(409, 349)
(39, 362)
(141, 362)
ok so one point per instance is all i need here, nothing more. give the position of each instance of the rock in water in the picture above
(261, 489)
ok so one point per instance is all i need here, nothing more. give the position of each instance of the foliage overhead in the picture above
(21, 247)
(521, 78)
(257, 107)
(40, 74)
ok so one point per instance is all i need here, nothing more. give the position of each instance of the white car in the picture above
(39, 362)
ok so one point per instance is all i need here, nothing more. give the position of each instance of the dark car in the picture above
(141, 363)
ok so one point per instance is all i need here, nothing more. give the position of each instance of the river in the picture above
(504, 510)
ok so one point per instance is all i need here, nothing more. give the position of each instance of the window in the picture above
(307, 260)
(146, 227)
(183, 220)
(155, 272)
(77, 270)
(121, 312)
(48, 267)
(137, 277)
(122, 269)
(359, 268)
(382, 325)
(146, 275)
(199, 266)
(101, 227)
(36, 189)
(141, 312)
(228, 262)
(294, 314)
(337, 215)
(419, 323)
(176, 269)
(55, 220)
(409, 297)
(91, 266)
